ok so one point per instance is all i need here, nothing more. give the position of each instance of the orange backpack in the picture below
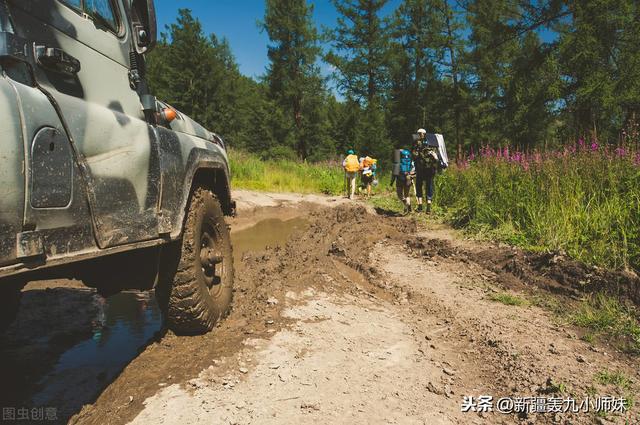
(368, 162)
(351, 164)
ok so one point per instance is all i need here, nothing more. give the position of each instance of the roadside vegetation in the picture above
(583, 200)
(508, 299)
(249, 171)
(604, 316)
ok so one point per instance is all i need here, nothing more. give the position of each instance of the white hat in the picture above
(422, 131)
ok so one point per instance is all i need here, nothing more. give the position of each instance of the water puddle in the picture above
(123, 325)
(270, 232)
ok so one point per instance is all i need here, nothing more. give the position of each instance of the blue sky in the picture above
(237, 21)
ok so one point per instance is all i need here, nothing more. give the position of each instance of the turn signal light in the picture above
(168, 114)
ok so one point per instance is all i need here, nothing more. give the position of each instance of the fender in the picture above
(209, 170)
(187, 160)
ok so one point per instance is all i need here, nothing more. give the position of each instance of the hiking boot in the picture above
(419, 209)
(428, 207)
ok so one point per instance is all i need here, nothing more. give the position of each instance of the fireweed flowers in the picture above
(487, 153)
(583, 199)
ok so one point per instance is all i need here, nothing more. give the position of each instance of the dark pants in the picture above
(425, 177)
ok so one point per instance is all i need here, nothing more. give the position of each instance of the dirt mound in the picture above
(433, 248)
(553, 272)
(307, 258)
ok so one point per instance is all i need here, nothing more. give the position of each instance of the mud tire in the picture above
(195, 286)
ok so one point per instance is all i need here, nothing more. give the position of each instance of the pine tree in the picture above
(293, 76)
(493, 43)
(531, 88)
(451, 46)
(360, 55)
(412, 94)
(198, 75)
(599, 56)
(428, 88)
(360, 51)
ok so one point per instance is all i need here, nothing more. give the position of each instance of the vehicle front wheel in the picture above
(195, 285)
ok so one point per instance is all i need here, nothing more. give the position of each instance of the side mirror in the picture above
(143, 25)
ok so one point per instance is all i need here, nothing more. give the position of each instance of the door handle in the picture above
(57, 60)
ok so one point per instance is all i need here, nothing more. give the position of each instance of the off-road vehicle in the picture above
(99, 180)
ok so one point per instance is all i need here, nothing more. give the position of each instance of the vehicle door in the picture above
(82, 49)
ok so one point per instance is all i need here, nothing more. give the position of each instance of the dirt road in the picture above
(344, 316)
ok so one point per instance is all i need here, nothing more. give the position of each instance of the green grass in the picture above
(585, 204)
(618, 379)
(250, 172)
(508, 299)
(604, 315)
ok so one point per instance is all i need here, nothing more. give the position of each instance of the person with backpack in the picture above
(351, 167)
(404, 179)
(368, 167)
(427, 163)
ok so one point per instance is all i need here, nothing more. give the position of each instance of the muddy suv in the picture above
(99, 181)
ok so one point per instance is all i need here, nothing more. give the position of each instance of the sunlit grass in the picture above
(604, 315)
(508, 299)
(586, 204)
(618, 379)
(250, 172)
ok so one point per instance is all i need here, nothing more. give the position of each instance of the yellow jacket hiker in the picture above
(351, 167)
(351, 164)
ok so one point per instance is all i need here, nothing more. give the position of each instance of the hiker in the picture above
(351, 167)
(368, 173)
(404, 179)
(427, 163)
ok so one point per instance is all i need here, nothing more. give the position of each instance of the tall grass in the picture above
(250, 172)
(584, 201)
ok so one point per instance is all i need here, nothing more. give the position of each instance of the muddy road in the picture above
(341, 315)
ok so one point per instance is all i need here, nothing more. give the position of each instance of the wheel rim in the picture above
(212, 258)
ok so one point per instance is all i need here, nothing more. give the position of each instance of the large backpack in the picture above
(428, 157)
(352, 165)
(405, 162)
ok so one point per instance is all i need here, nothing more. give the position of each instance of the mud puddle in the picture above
(66, 370)
(271, 232)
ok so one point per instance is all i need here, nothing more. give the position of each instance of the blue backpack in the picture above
(405, 162)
